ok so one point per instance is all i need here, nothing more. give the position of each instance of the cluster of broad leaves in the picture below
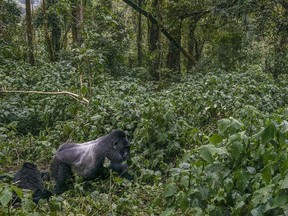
(213, 144)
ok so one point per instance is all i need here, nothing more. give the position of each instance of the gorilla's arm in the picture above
(116, 164)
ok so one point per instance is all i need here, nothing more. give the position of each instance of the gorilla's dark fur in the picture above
(29, 177)
(87, 159)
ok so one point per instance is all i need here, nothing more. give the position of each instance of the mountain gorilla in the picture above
(29, 177)
(87, 159)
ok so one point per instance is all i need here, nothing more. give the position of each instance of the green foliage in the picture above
(241, 174)
(32, 113)
(213, 144)
(10, 16)
(107, 36)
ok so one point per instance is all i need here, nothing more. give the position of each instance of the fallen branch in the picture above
(73, 95)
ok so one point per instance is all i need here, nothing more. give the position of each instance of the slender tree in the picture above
(46, 32)
(29, 32)
(173, 56)
(77, 21)
(154, 41)
(139, 36)
(194, 48)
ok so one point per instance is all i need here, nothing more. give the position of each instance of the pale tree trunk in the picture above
(29, 31)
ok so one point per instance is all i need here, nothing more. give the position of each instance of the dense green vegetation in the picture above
(207, 139)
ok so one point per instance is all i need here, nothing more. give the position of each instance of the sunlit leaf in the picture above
(215, 139)
(268, 133)
(284, 184)
(170, 190)
(5, 196)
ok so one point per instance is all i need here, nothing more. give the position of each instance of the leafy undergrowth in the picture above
(213, 144)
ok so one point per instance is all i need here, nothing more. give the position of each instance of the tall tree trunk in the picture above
(2, 29)
(173, 56)
(29, 31)
(192, 45)
(280, 63)
(46, 32)
(139, 37)
(56, 37)
(154, 42)
(77, 21)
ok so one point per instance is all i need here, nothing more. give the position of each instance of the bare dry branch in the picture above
(73, 95)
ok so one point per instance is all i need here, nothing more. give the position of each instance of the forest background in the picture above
(200, 87)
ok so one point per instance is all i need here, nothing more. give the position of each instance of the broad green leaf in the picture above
(5, 197)
(268, 133)
(284, 184)
(242, 178)
(279, 201)
(284, 127)
(184, 165)
(168, 212)
(170, 190)
(215, 139)
(223, 125)
(185, 181)
(17, 190)
(235, 126)
(228, 184)
(236, 147)
(251, 170)
(263, 195)
(257, 211)
(267, 173)
(183, 201)
(230, 126)
(205, 154)
(28, 205)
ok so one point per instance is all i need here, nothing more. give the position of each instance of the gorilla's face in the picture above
(123, 146)
(126, 152)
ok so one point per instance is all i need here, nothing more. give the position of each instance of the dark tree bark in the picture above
(77, 21)
(29, 31)
(139, 37)
(162, 29)
(173, 56)
(154, 42)
(46, 32)
(56, 37)
(281, 43)
(193, 45)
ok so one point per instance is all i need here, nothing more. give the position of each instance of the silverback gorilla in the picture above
(28, 177)
(87, 159)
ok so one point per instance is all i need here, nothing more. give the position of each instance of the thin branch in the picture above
(195, 15)
(70, 94)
